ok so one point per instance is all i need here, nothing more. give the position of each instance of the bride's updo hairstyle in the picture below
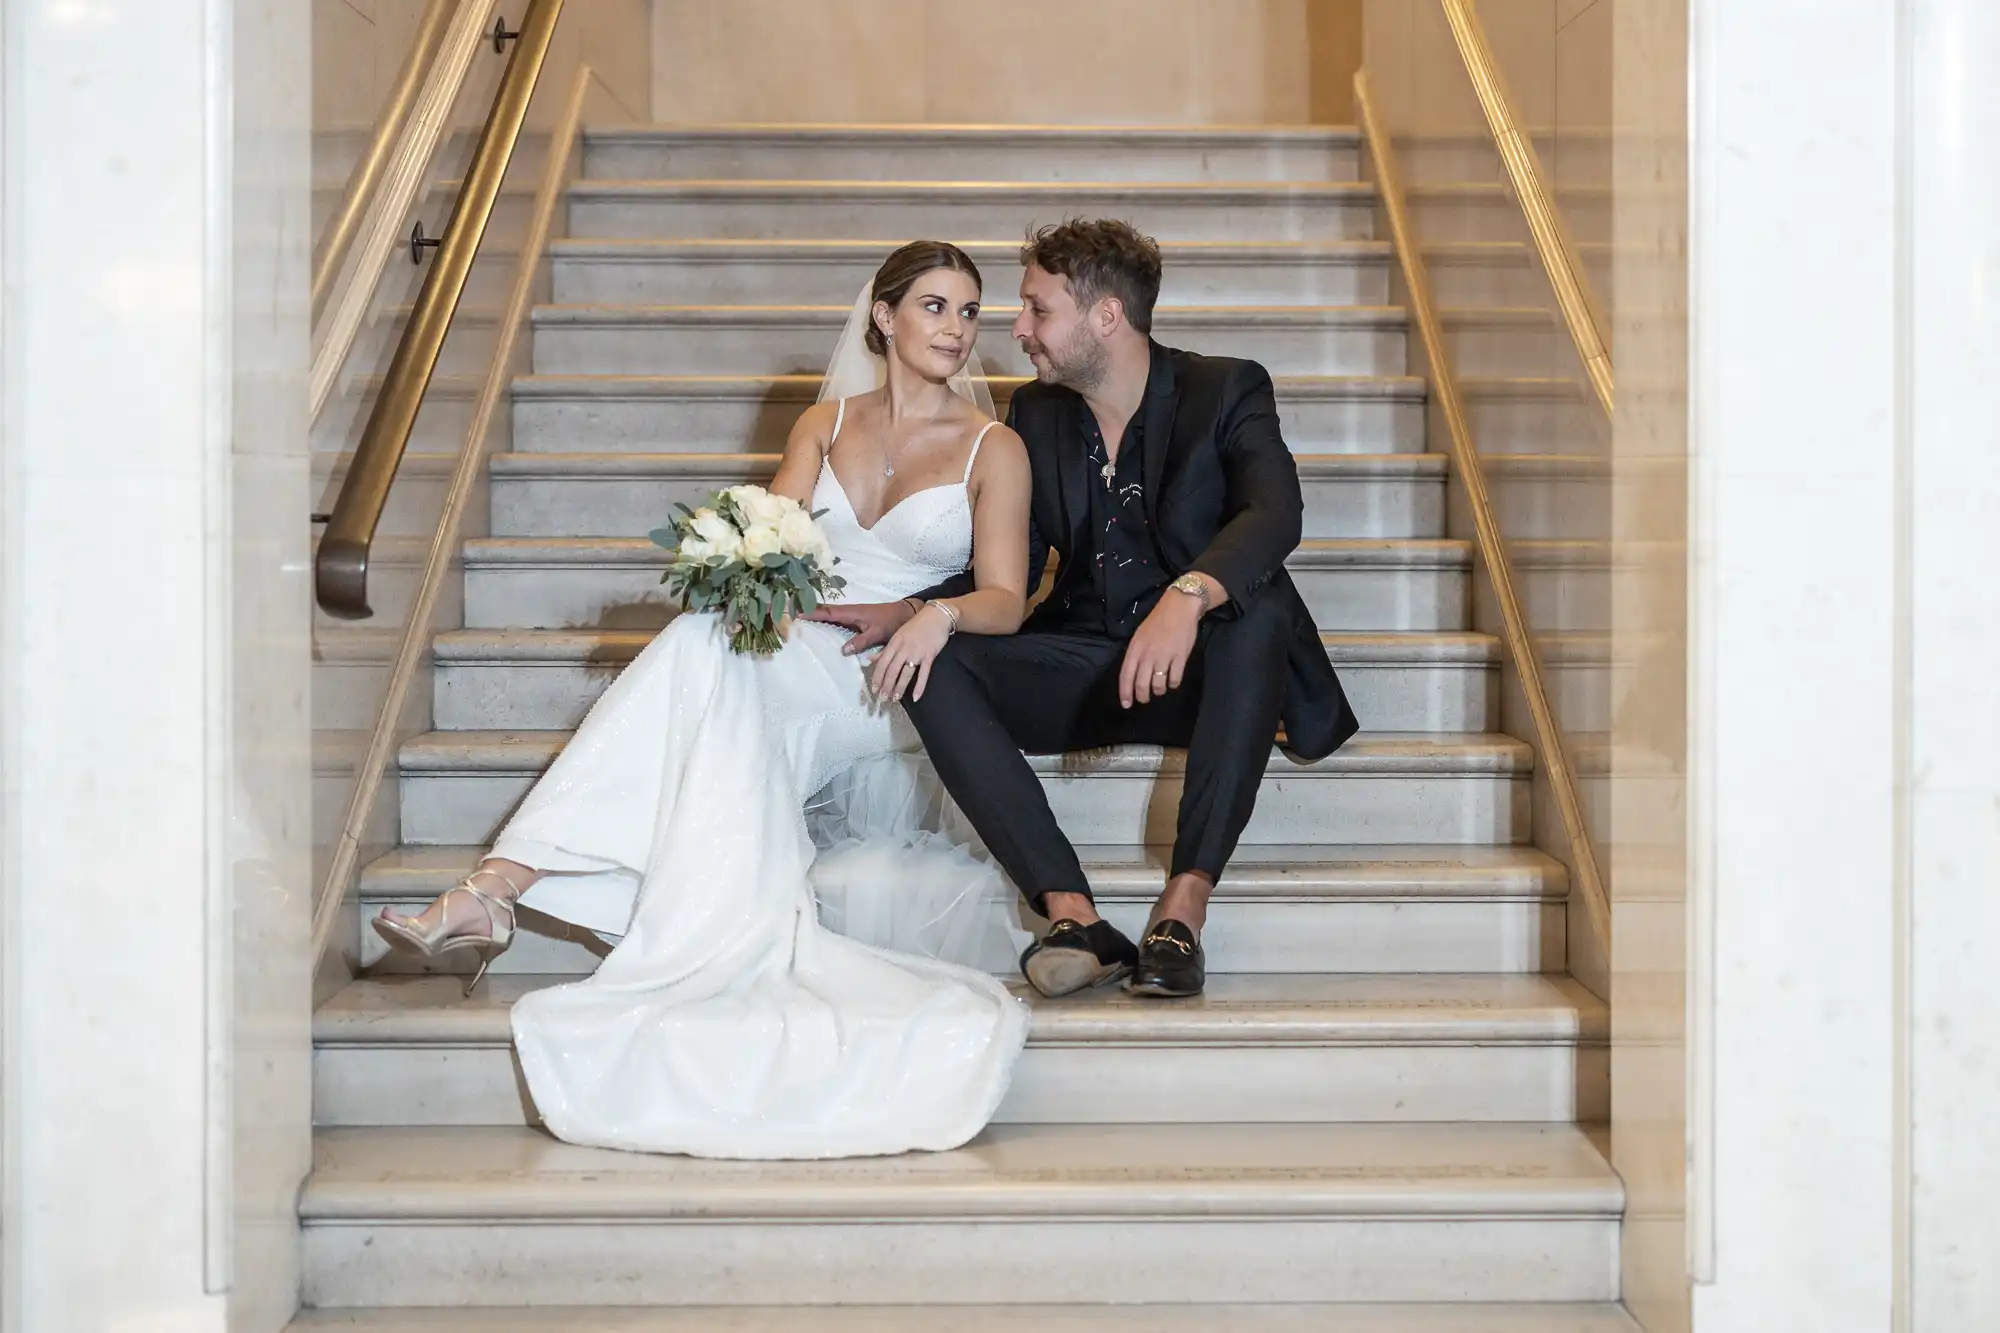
(900, 271)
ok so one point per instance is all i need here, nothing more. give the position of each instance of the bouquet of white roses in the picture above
(755, 557)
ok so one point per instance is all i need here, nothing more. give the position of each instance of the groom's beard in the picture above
(1079, 364)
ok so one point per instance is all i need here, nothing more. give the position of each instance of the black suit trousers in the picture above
(1048, 690)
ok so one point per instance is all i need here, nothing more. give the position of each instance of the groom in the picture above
(1163, 484)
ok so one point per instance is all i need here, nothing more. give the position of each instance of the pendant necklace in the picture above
(889, 459)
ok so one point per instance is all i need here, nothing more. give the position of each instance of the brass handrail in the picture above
(1486, 524)
(351, 303)
(417, 629)
(340, 568)
(1553, 246)
(367, 173)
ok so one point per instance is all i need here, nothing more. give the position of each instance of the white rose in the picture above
(800, 535)
(694, 548)
(759, 506)
(760, 541)
(718, 533)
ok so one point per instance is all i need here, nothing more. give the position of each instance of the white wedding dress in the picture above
(729, 1021)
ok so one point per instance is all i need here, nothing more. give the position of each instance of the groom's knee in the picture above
(1262, 633)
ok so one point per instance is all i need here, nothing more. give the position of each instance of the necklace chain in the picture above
(889, 459)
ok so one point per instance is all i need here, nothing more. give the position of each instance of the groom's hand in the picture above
(1157, 655)
(873, 623)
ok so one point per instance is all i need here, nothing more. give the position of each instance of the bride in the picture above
(728, 1021)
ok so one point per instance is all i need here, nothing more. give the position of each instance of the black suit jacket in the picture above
(1222, 493)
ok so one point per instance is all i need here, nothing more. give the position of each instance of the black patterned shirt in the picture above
(1125, 579)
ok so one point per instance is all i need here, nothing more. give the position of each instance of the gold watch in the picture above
(1193, 586)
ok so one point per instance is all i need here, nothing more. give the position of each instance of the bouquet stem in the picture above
(763, 640)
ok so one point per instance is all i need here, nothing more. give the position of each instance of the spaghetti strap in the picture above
(974, 455)
(839, 415)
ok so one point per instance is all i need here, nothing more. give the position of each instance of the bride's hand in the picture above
(904, 667)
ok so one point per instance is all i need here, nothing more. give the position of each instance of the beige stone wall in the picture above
(1203, 62)
(359, 46)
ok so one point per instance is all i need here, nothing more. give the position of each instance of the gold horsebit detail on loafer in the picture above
(1161, 937)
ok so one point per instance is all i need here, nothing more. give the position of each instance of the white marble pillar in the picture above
(1793, 603)
(1949, 879)
(153, 662)
(1844, 784)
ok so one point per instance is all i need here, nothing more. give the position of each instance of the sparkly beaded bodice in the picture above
(923, 539)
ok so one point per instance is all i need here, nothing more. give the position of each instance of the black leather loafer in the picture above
(1170, 963)
(1074, 957)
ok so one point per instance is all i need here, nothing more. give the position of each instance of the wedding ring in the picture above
(1159, 675)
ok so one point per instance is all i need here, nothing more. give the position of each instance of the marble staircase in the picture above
(1385, 1115)
(1178, 1318)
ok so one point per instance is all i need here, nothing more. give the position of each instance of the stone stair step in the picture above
(635, 339)
(594, 413)
(1552, 496)
(1444, 211)
(1196, 272)
(974, 152)
(513, 209)
(614, 582)
(416, 497)
(1081, 1318)
(724, 209)
(442, 420)
(350, 672)
(469, 343)
(1485, 273)
(1589, 148)
(624, 492)
(1163, 1213)
(1581, 672)
(1533, 414)
(1567, 586)
(458, 787)
(537, 679)
(1334, 909)
(1502, 341)
(411, 1050)
(784, 272)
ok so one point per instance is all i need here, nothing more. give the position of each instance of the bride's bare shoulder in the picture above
(1002, 454)
(816, 424)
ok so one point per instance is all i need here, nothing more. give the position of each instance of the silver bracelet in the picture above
(950, 615)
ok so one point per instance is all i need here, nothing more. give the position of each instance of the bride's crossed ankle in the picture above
(477, 913)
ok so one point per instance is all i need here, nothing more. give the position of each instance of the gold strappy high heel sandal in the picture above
(403, 933)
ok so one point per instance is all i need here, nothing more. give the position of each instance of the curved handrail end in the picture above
(340, 577)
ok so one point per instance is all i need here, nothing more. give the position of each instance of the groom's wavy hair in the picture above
(1101, 257)
(900, 271)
